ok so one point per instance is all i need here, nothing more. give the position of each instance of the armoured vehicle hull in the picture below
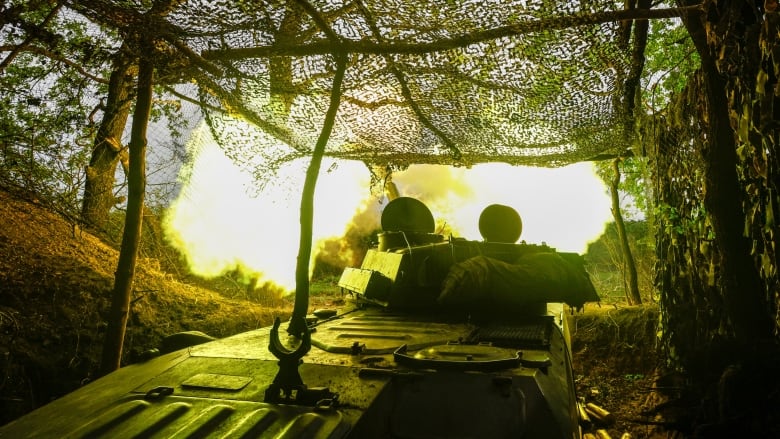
(431, 389)
(400, 359)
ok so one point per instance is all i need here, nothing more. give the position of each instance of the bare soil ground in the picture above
(56, 280)
(617, 367)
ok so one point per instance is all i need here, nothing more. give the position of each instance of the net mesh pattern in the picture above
(436, 81)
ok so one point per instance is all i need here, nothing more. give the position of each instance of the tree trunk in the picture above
(629, 267)
(300, 309)
(131, 238)
(742, 289)
(99, 184)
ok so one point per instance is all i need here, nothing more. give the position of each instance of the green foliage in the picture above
(169, 110)
(52, 99)
(605, 261)
(674, 223)
(639, 236)
(49, 92)
(635, 184)
(43, 130)
(671, 60)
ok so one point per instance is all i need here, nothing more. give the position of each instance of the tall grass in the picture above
(604, 260)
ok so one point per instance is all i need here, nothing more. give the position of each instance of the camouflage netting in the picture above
(687, 256)
(698, 319)
(523, 82)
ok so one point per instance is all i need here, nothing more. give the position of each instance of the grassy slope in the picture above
(55, 281)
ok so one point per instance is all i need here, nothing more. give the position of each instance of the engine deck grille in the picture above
(534, 334)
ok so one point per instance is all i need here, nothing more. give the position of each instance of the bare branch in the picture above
(195, 101)
(373, 105)
(236, 106)
(319, 20)
(30, 38)
(56, 57)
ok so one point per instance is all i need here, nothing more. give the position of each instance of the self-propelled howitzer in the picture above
(440, 338)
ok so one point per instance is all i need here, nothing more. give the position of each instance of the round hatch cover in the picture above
(406, 214)
(499, 223)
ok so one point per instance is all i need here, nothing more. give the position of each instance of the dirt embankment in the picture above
(617, 367)
(55, 285)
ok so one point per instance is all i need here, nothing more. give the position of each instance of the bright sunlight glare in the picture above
(221, 228)
(566, 208)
